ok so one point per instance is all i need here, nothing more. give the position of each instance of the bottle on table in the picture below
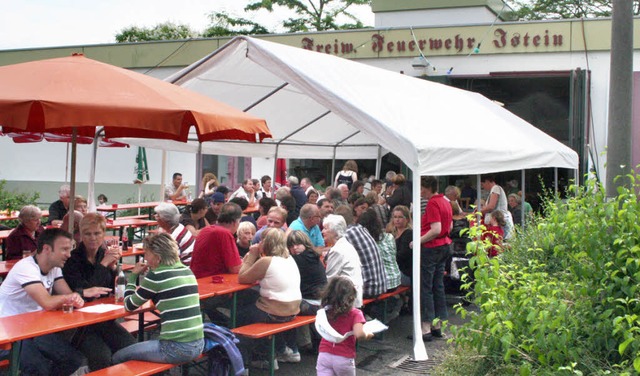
(120, 284)
(125, 239)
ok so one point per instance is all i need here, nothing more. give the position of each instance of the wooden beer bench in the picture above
(269, 330)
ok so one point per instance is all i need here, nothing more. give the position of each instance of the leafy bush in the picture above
(12, 201)
(564, 299)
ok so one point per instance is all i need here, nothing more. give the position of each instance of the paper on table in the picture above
(100, 308)
(374, 326)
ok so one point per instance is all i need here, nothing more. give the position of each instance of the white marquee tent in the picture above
(321, 106)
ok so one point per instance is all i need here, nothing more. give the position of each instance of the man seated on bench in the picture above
(215, 253)
(168, 217)
(35, 283)
(280, 296)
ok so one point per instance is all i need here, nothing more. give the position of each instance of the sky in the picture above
(50, 23)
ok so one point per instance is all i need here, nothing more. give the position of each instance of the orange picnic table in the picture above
(4, 216)
(113, 208)
(223, 284)
(16, 328)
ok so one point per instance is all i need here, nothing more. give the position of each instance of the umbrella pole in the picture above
(379, 162)
(72, 194)
(522, 213)
(199, 173)
(66, 166)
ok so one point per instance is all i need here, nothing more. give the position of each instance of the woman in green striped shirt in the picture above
(174, 290)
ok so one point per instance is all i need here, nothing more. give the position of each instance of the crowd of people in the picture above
(302, 245)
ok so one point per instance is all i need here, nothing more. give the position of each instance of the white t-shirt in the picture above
(169, 190)
(343, 259)
(13, 297)
(502, 202)
(240, 192)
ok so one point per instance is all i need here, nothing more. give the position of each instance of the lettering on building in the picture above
(501, 39)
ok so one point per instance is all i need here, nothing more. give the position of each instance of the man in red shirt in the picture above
(435, 249)
(215, 251)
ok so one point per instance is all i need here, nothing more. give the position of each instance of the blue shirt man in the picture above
(308, 223)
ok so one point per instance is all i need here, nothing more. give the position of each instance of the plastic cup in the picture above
(114, 206)
(67, 308)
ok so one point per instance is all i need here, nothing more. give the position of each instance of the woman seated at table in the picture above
(265, 204)
(401, 228)
(312, 196)
(269, 263)
(24, 237)
(174, 290)
(245, 232)
(312, 273)
(209, 185)
(193, 216)
(92, 266)
(80, 204)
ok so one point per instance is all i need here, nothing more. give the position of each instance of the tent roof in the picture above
(317, 104)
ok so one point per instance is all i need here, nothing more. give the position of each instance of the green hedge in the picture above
(564, 298)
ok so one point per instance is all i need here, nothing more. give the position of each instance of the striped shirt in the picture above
(174, 291)
(387, 248)
(373, 276)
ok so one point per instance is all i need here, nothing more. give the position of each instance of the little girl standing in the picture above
(338, 357)
(494, 232)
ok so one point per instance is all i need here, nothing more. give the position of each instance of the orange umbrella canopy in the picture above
(57, 95)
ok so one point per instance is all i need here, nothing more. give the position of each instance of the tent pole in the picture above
(419, 350)
(91, 191)
(522, 216)
(275, 169)
(379, 162)
(333, 166)
(555, 180)
(479, 192)
(163, 175)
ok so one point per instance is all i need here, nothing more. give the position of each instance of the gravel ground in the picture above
(376, 357)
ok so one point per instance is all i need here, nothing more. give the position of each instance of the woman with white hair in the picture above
(168, 217)
(342, 259)
(24, 237)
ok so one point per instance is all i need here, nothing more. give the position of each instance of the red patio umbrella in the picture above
(28, 137)
(75, 95)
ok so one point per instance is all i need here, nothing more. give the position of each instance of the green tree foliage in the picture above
(313, 15)
(562, 9)
(12, 201)
(224, 25)
(564, 298)
(162, 31)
